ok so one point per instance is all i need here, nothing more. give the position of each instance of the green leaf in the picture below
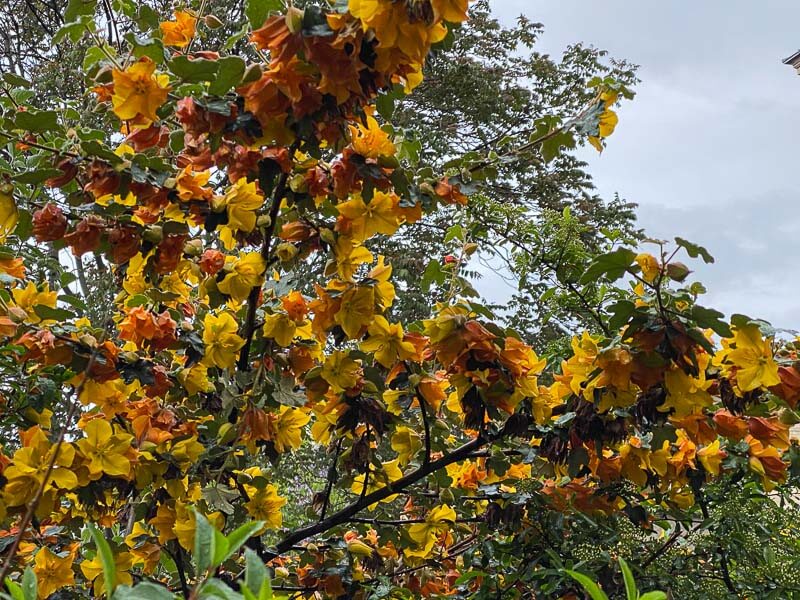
(95, 148)
(151, 47)
(653, 596)
(148, 18)
(14, 589)
(204, 543)
(56, 314)
(106, 558)
(73, 31)
(630, 584)
(285, 394)
(257, 11)
(220, 549)
(79, 8)
(708, 318)
(256, 578)
(37, 175)
(37, 121)
(469, 576)
(194, 71)
(71, 300)
(612, 265)
(239, 536)
(694, 250)
(385, 103)
(143, 591)
(622, 312)
(590, 586)
(30, 585)
(229, 75)
(15, 80)
(219, 497)
(93, 56)
(214, 588)
(24, 227)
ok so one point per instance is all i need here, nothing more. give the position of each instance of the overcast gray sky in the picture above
(708, 149)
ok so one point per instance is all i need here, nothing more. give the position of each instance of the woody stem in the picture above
(266, 251)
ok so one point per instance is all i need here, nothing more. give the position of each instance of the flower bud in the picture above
(294, 19)
(286, 251)
(193, 247)
(677, 271)
(213, 22)
(153, 234)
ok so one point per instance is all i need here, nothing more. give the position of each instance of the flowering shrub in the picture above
(149, 423)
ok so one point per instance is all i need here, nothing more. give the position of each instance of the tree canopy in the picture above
(236, 191)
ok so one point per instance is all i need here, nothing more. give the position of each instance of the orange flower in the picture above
(769, 431)
(729, 425)
(212, 261)
(13, 267)
(191, 185)
(141, 327)
(179, 33)
(451, 194)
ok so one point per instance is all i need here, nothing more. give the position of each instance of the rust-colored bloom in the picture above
(49, 223)
(86, 236)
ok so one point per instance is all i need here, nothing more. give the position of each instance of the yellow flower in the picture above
(349, 255)
(30, 296)
(138, 93)
(186, 452)
(288, 427)
(366, 10)
(179, 33)
(145, 553)
(29, 465)
(107, 452)
(371, 141)
(247, 273)
(283, 328)
(341, 371)
(386, 342)
(53, 572)
(128, 200)
(195, 379)
(264, 504)
(356, 310)
(711, 457)
(438, 521)
(242, 201)
(378, 480)
(406, 442)
(185, 524)
(381, 215)
(649, 265)
(752, 357)
(221, 340)
(109, 396)
(687, 395)
(93, 569)
(9, 215)
(454, 11)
